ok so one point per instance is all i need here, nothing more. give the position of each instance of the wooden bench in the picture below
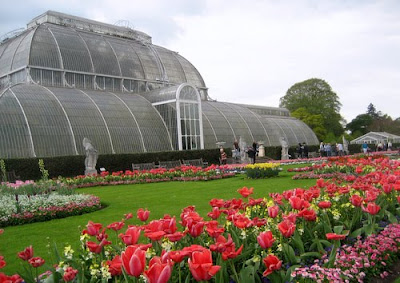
(170, 164)
(144, 166)
(195, 162)
(10, 177)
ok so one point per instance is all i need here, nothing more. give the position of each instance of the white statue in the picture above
(285, 149)
(91, 157)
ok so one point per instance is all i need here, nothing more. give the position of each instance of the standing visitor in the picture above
(321, 149)
(236, 150)
(305, 150)
(340, 149)
(223, 156)
(364, 148)
(389, 145)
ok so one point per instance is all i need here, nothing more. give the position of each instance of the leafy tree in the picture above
(318, 98)
(360, 124)
(373, 121)
(315, 122)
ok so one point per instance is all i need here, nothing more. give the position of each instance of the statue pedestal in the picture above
(261, 150)
(90, 172)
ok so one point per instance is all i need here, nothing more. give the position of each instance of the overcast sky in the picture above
(253, 51)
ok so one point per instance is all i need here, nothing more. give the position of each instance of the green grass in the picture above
(159, 198)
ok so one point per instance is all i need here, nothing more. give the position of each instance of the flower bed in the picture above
(26, 202)
(295, 233)
(262, 170)
(182, 173)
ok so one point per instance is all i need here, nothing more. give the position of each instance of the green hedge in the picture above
(70, 166)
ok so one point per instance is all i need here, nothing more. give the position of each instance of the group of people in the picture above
(327, 149)
(302, 150)
(251, 151)
(380, 146)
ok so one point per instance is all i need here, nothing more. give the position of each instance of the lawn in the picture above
(159, 198)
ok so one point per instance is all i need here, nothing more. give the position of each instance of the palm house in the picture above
(64, 78)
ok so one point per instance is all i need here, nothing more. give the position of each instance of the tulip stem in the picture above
(234, 272)
(179, 269)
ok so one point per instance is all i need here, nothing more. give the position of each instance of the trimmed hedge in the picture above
(70, 166)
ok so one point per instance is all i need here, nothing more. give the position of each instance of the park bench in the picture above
(195, 162)
(170, 164)
(144, 166)
(10, 177)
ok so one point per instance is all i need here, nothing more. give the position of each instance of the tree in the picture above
(315, 122)
(373, 121)
(317, 98)
(360, 124)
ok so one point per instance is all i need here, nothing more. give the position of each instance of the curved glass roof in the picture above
(56, 47)
(66, 78)
(227, 122)
(41, 121)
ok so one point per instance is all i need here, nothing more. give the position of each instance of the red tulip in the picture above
(273, 211)
(333, 236)
(131, 235)
(296, 202)
(142, 214)
(265, 239)
(115, 266)
(245, 192)
(26, 254)
(321, 183)
(133, 260)
(308, 214)
(94, 247)
(387, 188)
(200, 265)
(2, 262)
(196, 228)
(287, 228)
(356, 200)
(213, 229)
(158, 271)
(128, 216)
(272, 263)
(92, 228)
(359, 170)
(10, 279)
(216, 212)
(372, 208)
(324, 204)
(116, 226)
(36, 261)
(177, 256)
(1, 231)
(175, 237)
(69, 274)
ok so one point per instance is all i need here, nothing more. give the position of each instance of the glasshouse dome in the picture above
(65, 78)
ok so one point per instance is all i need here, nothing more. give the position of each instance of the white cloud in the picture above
(253, 51)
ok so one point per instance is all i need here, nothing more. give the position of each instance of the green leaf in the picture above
(391, 217)
(246, 275)
(288, 275)
(298, 242)
(311, 254)
(357, 232)
(338, 229)
(290, 254)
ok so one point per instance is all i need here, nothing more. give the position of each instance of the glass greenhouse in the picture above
(65, 78)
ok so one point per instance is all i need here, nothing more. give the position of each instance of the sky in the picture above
(253, 51)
